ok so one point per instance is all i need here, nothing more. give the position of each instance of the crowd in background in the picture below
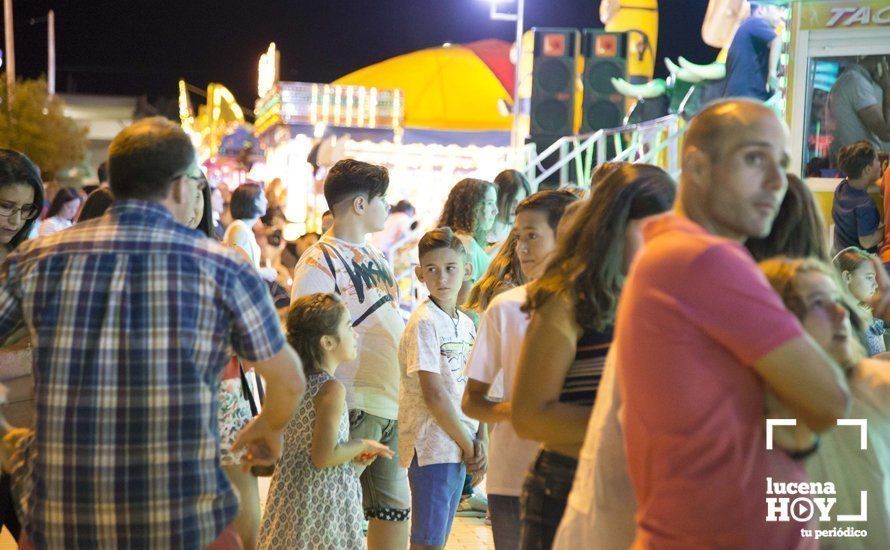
(605, 363)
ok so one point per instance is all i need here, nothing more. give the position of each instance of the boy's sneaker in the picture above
(475, 505)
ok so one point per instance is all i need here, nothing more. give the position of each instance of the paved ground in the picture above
(470, 534)
(466, 534)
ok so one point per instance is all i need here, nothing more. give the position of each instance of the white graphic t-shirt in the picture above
(433, 342)
(361, 277)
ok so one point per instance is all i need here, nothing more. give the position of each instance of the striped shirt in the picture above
(133, 318)
(584, 375)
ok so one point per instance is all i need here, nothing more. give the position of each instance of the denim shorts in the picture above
(544, 497)
(384, 482)
(435, 494)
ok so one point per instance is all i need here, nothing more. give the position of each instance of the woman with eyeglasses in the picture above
(21, 199)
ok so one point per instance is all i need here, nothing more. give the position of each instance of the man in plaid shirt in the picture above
(133, 317)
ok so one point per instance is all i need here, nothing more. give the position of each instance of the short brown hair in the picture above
(350, 178)
(243, 205)
(145, 158)
(443, 237)
(854, 158)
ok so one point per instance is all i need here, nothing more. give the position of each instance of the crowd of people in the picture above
(606, 364)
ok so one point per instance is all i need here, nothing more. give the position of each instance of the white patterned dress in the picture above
(309, 507)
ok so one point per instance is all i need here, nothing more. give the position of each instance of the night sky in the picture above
(142, 47)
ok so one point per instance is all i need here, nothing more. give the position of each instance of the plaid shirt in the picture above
(132, 318)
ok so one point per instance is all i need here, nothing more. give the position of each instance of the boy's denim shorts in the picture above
(435, 494)
(384, 484)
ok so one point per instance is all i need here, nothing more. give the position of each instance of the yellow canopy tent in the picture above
(446, 88)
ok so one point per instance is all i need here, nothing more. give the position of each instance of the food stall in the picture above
(826, 37)
(432, 117)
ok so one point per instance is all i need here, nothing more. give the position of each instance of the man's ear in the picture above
(696, 165)
(418, 273)
(846, 276)
(178, 190)
(359, 203)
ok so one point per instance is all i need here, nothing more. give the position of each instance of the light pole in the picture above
(516, 17)
(50, 49)
(10, 50)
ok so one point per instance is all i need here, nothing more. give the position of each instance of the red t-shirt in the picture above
(694, 316)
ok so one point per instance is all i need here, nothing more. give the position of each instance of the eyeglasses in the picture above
(198, 178)
(28, 211)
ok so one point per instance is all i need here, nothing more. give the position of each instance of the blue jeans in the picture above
(435, 494)
(544, 496)
(505, 523)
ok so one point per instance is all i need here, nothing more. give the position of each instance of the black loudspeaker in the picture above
(605, 57)
(552, 109)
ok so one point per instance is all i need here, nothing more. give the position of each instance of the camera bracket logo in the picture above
(803, 501)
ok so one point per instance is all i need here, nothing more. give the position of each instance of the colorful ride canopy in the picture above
(464, 87)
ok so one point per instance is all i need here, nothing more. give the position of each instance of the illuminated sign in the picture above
(268, 71)
(847, 17)
(844, 15)
(330, 104)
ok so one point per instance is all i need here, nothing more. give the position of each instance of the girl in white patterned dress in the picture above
(315, 499)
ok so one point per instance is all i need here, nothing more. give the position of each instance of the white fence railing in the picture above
(656, 142)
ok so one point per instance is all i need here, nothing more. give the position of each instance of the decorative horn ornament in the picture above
(681, 73)
(712, 71)
(653, 88)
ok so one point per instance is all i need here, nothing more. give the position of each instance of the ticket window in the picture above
(822, 136)
(829, 54)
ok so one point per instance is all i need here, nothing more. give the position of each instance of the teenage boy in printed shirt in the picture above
(343, 263)
(436, 440)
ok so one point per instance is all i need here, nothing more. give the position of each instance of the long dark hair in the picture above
(206, 224)
(16, 168)
(798, 230)
(589, 259)
(503, 273)
(96, 204)
(63, 197)
(509, 182)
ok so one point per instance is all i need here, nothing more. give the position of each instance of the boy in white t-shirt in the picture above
(437, 442)
(496, 355)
